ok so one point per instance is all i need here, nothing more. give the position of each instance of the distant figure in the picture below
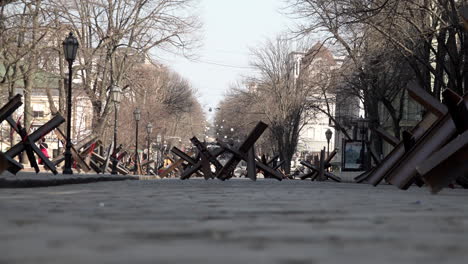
(43, 146)
(3, 162)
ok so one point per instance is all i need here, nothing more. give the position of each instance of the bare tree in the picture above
(377, 70)
(165, 99)
(278, 95)
(116, 35)
(25, 34)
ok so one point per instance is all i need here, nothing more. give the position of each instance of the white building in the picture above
(81, 113)
(314, 68)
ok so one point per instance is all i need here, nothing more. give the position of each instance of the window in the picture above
(38, 110)
(38, 114)
(311, 133)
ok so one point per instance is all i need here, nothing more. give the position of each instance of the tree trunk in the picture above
(374, 122)
(28, 111)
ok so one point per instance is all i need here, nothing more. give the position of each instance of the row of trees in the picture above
(274, 95)
(389, 43)
(166, 100)
(115, 38)
(386, 44)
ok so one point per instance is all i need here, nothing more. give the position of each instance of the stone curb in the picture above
(34, 183)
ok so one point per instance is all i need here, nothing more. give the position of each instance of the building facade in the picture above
(314, 69)
(44, 93)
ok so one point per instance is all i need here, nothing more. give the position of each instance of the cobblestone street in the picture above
(237, 221)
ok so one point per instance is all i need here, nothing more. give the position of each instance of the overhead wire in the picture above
(222, 64)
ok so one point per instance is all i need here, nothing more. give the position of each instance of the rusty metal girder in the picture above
(206, 158)
(386, 136)
(183, 156)
(96, 159)
(363, 176)
(76, 156)
(205, 152)
(29, 146)
(28, 142)
(194, 164)
(10, 107)
(401, 175)
(436, 137)
(446, 165)
(36, 135)
(272, 159)
(317, 171)
(326, 165)
(373, 153)
(426, 100)
(437, 111)
(251, 171)
(260, 165)
(279, 165)
(254, 135)
(6, 111)
(171, 168)
(455, 107)
(392, 158)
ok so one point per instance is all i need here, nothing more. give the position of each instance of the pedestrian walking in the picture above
(43, 146)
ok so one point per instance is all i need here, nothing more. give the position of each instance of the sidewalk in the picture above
(29, 179)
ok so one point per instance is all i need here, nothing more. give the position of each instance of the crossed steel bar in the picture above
(437, 110)
(248, 143)
(7, 110)
(431, 152)
(194, 164)
(252, 163)
(403, 173)
(206, 158)
(315, 171)
(28, 142)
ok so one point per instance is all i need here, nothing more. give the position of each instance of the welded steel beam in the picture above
(231, 164)
(446, 165)
(260, 165)
(393, 157)
(436, 137)
(183, 156)
(36, 135)
(425, 99)
(401, 175)
(386, 136)
(194, 164)
(10, 107)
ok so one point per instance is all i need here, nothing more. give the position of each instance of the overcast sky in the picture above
(230, 28)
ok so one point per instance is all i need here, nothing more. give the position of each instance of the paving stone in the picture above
(236, 221)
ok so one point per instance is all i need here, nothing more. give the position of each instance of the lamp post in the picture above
(362, 125)
(137, 115)
(158, 144)
(70, 47)
(149, 129)
(116, 93)
(328, 135)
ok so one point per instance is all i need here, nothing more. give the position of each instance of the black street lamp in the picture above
(149, 129)
(159, 147)
(362, 125)
(70, 47)
(116, 93)
(328, 135)
(137, 115)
